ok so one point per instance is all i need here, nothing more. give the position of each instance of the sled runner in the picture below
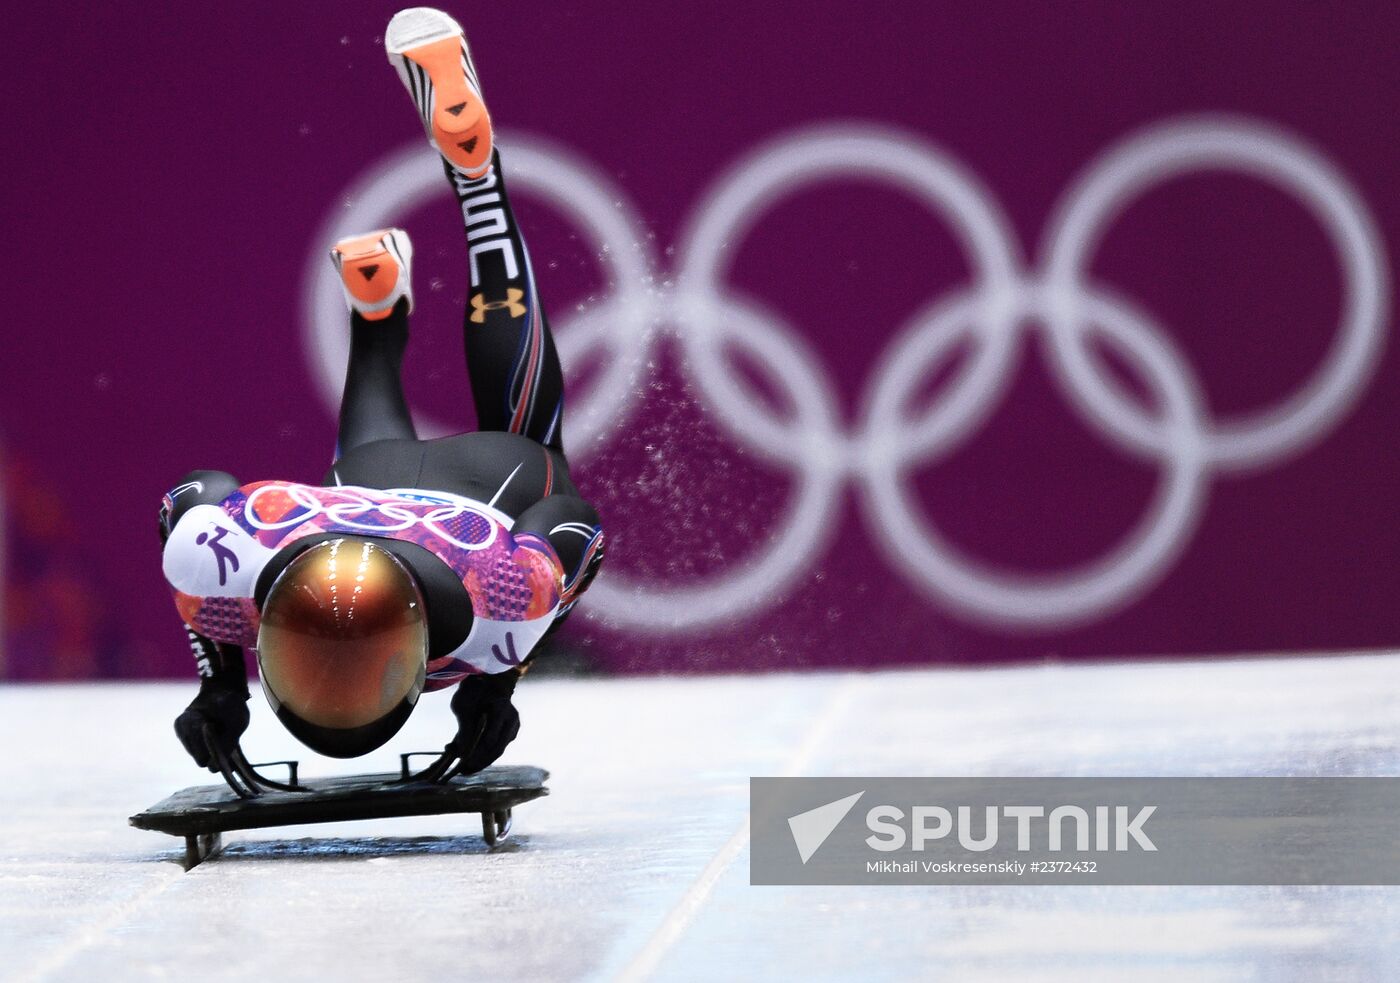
(203, 813)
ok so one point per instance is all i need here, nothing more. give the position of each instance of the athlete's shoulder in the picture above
(211, 549)
(202, 487)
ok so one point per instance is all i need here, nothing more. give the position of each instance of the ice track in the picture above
(636, 866)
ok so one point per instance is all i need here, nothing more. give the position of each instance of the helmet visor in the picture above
(343, 646)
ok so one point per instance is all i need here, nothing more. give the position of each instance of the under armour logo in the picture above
(222, 553)
(480, 305)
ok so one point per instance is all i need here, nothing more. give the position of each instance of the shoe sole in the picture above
(438, 70)
(370, 268)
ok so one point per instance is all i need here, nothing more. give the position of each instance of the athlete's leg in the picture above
(374, 271)
(517, 383)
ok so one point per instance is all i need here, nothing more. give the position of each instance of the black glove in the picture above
(486, 720)
(214, 720)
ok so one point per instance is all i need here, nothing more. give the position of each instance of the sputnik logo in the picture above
(810, 829)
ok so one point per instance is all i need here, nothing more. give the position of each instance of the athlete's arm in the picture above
(487, 721)
(218, 715)
(565, 530)
(218, 663)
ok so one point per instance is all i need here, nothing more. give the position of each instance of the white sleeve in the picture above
(500, 646)
(208, 555)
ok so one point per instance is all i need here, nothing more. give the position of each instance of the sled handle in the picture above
(405, 772)
(291, 766)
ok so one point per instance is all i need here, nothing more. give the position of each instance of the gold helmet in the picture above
(343, 646)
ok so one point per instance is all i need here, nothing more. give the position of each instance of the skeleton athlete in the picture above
(417, 564)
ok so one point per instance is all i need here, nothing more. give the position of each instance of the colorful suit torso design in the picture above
(216, 553)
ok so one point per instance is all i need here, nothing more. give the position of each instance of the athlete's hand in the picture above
(214, 721)
(486, 720)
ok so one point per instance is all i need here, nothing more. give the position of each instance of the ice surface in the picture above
(636, 866)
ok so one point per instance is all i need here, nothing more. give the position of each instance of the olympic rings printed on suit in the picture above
(1005, 301)
(398, 506)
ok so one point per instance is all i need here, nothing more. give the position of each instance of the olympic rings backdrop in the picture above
(963, 337)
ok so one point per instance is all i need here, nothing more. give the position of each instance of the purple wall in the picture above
(1181, 441)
